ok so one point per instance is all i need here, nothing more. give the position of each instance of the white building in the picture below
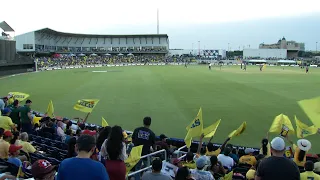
(48, 40)
(265, 53)
(210, 53)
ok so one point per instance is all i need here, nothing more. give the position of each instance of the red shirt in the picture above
(116, 169)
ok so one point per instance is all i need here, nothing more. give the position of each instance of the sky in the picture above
(225, 24)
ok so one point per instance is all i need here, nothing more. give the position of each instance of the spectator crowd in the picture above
(100, 153)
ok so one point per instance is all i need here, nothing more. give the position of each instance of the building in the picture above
(264, 53)
(47, 40)
(292, 47)
(209, 53)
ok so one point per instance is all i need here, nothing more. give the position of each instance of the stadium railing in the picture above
(148, 167)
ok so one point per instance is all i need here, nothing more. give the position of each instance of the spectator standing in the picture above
(60, 131)
(15, 114)
(200, 173)
(71, 148)
(156, 172)
(113, 150)
(303, 146)
(26, 146)
(43, 170)
(265, 148)
(103, 135)
(277, 166)
(216, 166)
(143, 136)
(3, 104)
(5, 121)
(225, 159)
(183, 173)
(248, 158)
(309, 174)
(82, 167)
(26, 117)
(68, 135)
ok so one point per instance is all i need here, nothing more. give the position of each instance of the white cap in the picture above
(248, 150)
(304, 144)
(278, 144)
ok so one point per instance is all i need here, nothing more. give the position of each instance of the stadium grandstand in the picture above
(47, 40)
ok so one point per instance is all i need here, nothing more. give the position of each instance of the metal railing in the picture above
(149, 167)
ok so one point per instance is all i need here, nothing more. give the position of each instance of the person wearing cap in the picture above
(309, 174)
(248, 158)
(82, 167)
(26, 117)
(5, 121)
(43, 170)
(199, 172)
(14, 155)
(277, 166)
(156, 172)
(5, 145)
(300, 153)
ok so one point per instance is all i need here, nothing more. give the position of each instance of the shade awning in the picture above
(5, 26)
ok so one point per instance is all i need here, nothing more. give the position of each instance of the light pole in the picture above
(199, 48)
(192, 49)
(317, 47)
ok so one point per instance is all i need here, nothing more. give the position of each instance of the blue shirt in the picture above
(81, 168)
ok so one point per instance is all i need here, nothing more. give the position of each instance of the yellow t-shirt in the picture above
(248, 159)
(190, 165)
(296, 155)
(27, 147)
(215, 153)
(4, 149)
(268, 151)
(6, 123)
(309, 175)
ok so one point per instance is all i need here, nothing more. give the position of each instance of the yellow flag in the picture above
(228, 176)
(238, 131)
(195, 128)
(104, 122)
(133, 158)
(36, 120)
(279, 123)
(303, 130)
(211, 130)
(19, 95)
(312, 108)
(86, 105)
(50, 109)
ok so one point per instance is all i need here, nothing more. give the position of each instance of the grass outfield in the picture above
(172, 95)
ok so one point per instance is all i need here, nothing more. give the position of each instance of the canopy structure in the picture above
(257, 61)
(287, 61)
(81, 54)
(120, 54)
(93, 54)
(5, 27)
(107, 54)
(130, 54)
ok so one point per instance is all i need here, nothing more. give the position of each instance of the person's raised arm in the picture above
(200, 143)
(224, 143)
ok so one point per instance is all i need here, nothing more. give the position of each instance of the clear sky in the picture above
(213, 23)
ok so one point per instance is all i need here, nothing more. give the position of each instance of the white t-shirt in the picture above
(226, 161)
(210, 64)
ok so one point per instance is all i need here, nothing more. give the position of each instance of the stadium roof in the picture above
(51, 31)
(5, 26)
(257, 60)
(286, 61)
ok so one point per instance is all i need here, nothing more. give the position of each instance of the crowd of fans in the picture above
(96, 60)
(100, 152)
(41, 48)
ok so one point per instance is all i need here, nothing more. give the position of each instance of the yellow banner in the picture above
(304, 130)
(195, 128)
(50, 110)
(211, 130)
(281, 123)
(86, 105)
(238, 131)
(133, 158)
(312, 108)
(19, 95)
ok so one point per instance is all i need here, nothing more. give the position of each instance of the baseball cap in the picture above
(41, 168)
(7, 133)
(317, 167)
(248, 150)
(14, 148)
(201, 162)
(278, 144)
(6, 110)
(88, 132)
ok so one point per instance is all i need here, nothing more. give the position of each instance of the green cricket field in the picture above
(172, 96)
